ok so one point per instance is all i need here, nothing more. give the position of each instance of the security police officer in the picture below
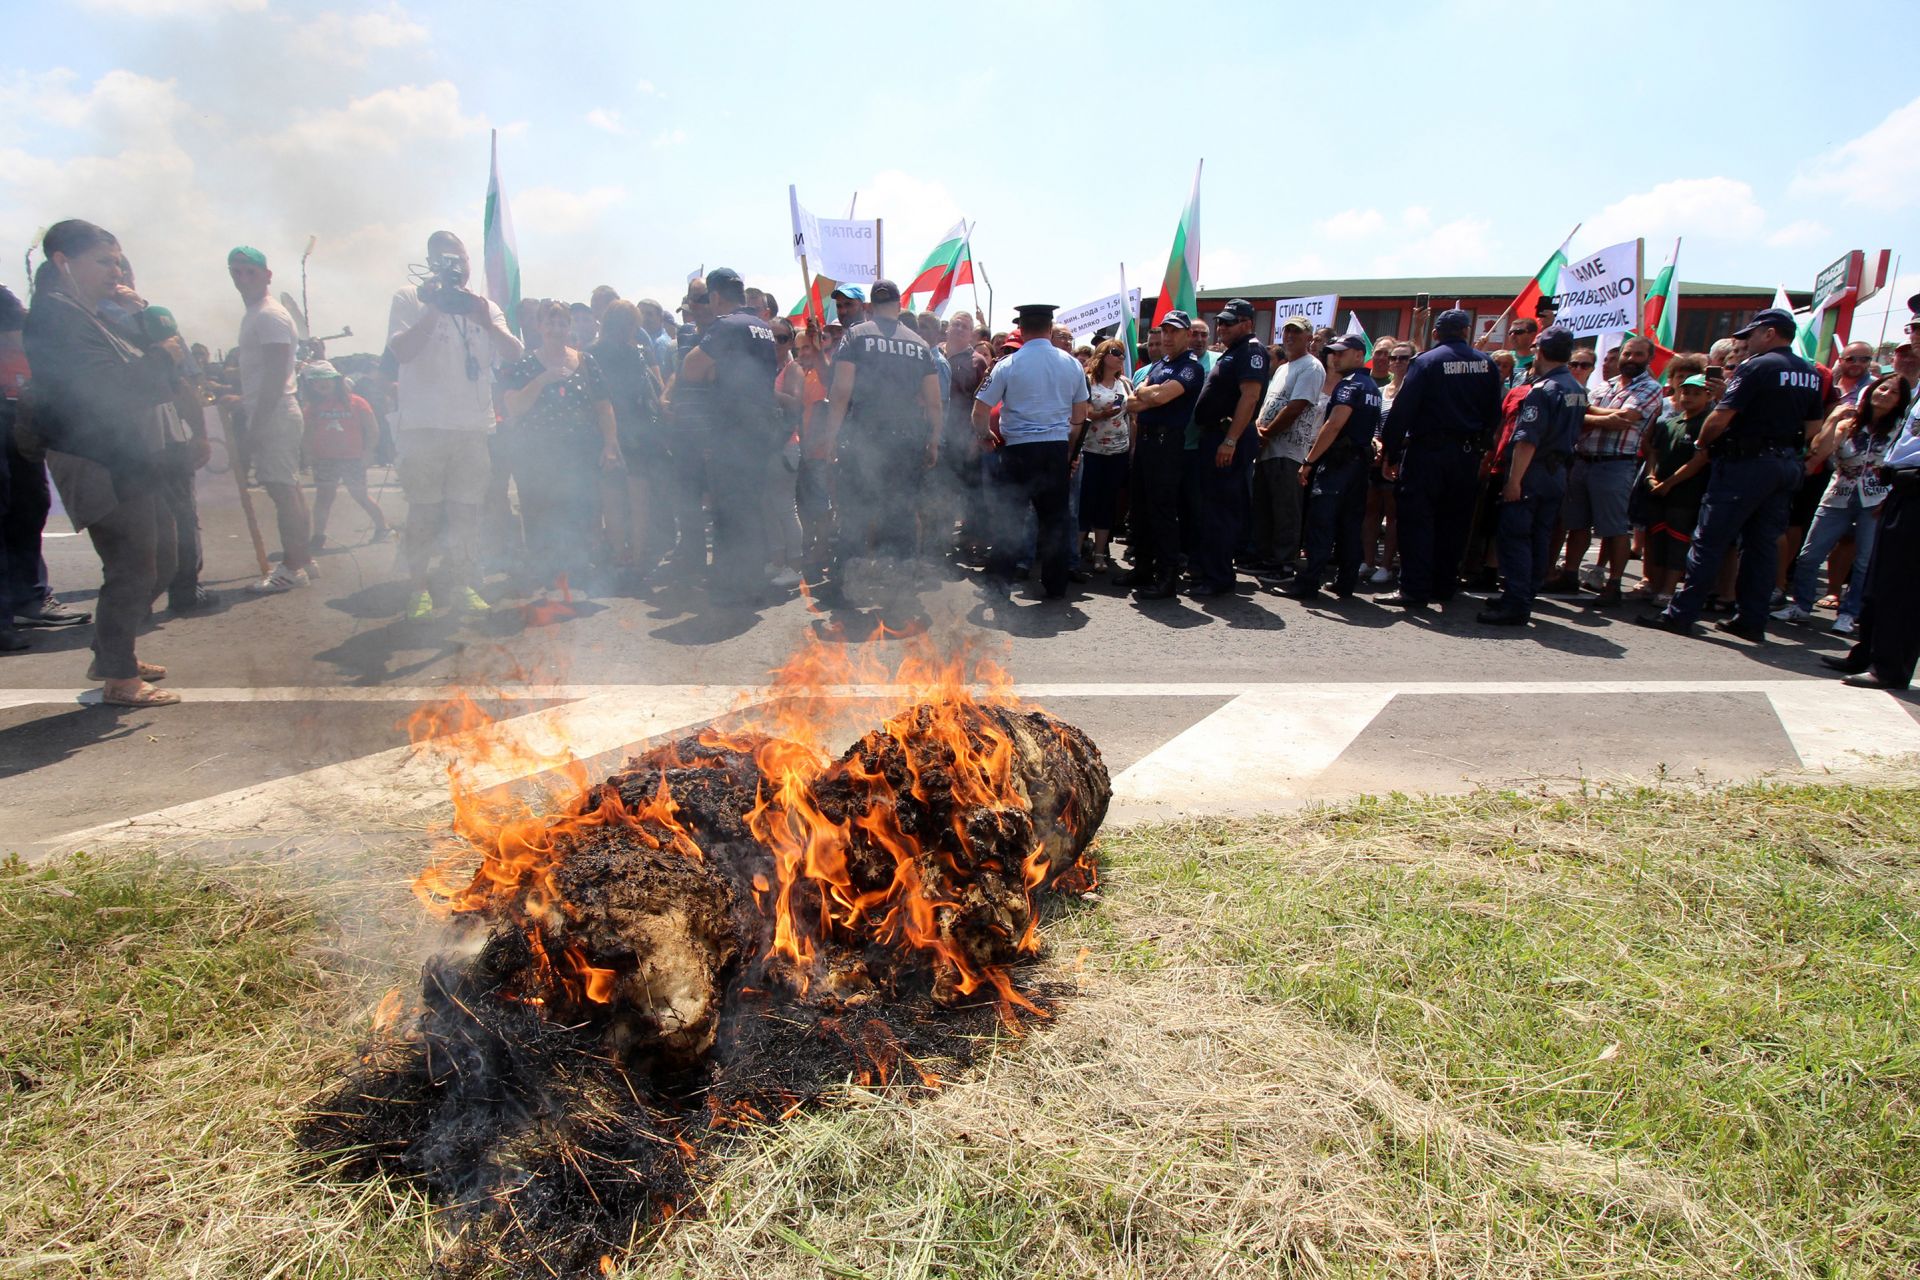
(1161, 407)
(1228, 400)
(736, 359)
(1544, 432)
(884, 420)
(1444, 417)
(1043, 397)
(1337, 463)
(1756, 438)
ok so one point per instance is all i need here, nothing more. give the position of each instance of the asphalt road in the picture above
(1233, 705)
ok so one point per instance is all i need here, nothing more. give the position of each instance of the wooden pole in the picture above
(806, 294)
(879, 268)
(236, 465)
(972, 272)
(1639, 284)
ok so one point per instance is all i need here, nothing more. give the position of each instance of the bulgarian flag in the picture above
(502, 257)
(818, 303)
(1661, 308)
(1545, 282)
(1354, 329)
(1129, 333)
(1806, 338)
(947, 267)
(1179, 290)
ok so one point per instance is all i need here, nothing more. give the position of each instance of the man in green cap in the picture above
(268, 397)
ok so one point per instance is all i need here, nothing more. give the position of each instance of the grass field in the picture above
(1617, 1034)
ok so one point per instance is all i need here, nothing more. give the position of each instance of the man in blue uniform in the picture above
(1042, 394)
(1444, 417)
(1544, 432)
(1756, 438)
(1162, 407)
(1224, 413)
(737, 359)
(1336, 470)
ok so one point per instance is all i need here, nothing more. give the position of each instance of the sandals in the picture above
(148, 671)
(143, 696)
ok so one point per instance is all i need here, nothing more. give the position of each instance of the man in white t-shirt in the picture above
(1287, 422)
(274, 425)
(446, 339)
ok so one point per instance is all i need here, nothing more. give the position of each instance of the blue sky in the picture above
(640, 141)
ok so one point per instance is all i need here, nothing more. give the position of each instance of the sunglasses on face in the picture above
(1399, 359)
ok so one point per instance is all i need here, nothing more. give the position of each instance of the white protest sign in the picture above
(844, 250)
(1319, 310)
(1090, 317)
(1601, 293)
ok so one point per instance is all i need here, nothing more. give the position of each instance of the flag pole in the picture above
(981, 271)
(1886, 315)
(878, 269)
(1639, 283)
(806, 291)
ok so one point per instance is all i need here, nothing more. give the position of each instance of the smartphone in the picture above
(1715, 371)
(1420, 301)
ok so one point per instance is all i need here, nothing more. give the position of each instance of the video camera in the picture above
(445, 287)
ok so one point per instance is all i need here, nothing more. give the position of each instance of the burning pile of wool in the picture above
(727, 930)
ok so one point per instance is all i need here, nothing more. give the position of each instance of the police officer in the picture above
(1756, 438)
(1544, 432)
(1337, 463)
(1444, 417)
(884, 420)
(736, 360)
(1161, 407)
(1224, 412)
(1043, 397)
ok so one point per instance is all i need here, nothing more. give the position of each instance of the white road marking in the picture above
(1834, 726)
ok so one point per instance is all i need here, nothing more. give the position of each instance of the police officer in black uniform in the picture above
(1228, 400)
(737, 359)
(1444, 418)
(884, 419)
(1756, 438)
(1337, 463)
(1161, 407)
(1544, 432)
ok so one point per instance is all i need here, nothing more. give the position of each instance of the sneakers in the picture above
(1792, 612)
(199, 601)
(1380, 577)
(1609, 595)
(48, 612)
(421, 607)
(1593, 577)
(1845, 625)
(281, 579)
(468, 601)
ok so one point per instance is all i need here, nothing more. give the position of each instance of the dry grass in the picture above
(1438, 1038)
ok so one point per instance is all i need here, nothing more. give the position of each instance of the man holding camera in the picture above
(446, 340)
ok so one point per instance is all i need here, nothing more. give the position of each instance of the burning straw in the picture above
(720, 934)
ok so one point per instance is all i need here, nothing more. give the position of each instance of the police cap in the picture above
(1238, 311)
(1176, 320)
(1036, 313)
(1779, 319)
(724, 278)
(1452, 320)
(1348, 342)
(1555, 343)
(885, 291)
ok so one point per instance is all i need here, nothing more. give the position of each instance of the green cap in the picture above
(249, 254)
(159, 322)
(1695, 381)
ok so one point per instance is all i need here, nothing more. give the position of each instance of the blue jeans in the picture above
(1747, 500)
(1829, 525)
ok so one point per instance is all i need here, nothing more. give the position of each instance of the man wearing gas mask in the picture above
(447, 340)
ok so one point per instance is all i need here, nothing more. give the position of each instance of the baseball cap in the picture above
(1453, 320)
(884, 291)
(850, 291)
(724, 277)
(1776, 318)
(318, 370)
(1237, 311)
(1348, 342)
(247, 253)
(1697, 380)
(1012, 342)
(159, 324)
(1555, 343)
(1176, 320)
(1299, 322)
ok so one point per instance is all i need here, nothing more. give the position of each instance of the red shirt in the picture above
(13, 373)
(339, 431)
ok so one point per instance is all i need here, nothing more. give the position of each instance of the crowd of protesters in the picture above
(614, 446)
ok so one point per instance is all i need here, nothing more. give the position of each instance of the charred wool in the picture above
(728, 929)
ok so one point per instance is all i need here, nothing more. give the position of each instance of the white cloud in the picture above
(382, 122)
(347, 37)
(173, 8)
(1352, 224)
(1718, 207)
(605, 119)
(389, 30)
(647, 88)
(670, 138)
(1804, 231)
(1881, 167)
(555, 211)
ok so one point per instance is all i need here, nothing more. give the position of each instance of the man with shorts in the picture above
(446, 340)
(274, 424)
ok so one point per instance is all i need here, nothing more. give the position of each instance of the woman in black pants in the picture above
(96, 402)
(1888, 642)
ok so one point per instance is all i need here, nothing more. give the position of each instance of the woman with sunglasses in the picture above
(1382, 521)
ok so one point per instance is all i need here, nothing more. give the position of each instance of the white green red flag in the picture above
(1545, 282)
(1179, 289)
(1806, 337)
(1660, 310)
(1129, 333)
(947, 267)
(500, 255)
(1354, 328)
(816, 307)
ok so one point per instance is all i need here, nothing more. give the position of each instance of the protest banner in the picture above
(1319, 310)
(842, 249)
(1600, 293)
(1091, 317)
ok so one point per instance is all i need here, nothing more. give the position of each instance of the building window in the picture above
(1379, 322)
(1700, 327)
